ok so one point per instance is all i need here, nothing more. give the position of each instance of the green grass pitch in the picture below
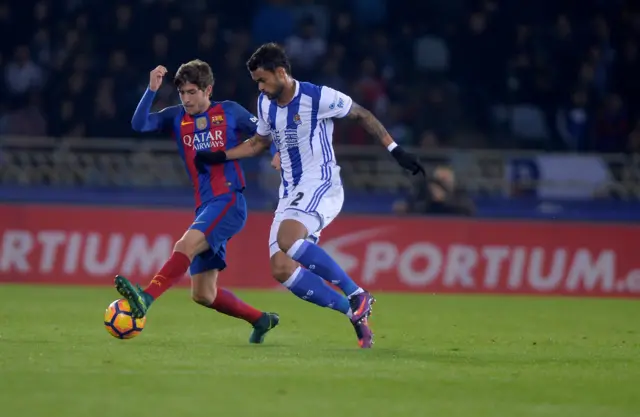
(435, 355)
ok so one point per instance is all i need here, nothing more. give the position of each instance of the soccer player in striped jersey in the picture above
(298, 118)
(201, 125)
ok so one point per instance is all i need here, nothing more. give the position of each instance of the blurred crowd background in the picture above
(553, 75)
(464, 82)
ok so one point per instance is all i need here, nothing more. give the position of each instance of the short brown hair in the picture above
(194, 72)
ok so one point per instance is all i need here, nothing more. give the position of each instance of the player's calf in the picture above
(226, 302)
(306, 285)
(204, 291)
(204, 287)
(310, 287)
(203, 297)
(291, 239)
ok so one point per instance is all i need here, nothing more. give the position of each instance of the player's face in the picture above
(269, 82)
(193, 99)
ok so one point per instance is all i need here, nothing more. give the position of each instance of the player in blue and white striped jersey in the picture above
(298, 118)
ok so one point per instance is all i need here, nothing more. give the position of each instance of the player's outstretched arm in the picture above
(247, 149)
(372, 125)
(251, 147)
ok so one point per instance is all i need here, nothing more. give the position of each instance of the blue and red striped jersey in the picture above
(223, 126)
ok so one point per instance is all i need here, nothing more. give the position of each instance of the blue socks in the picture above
(314, 258)
(310, 287)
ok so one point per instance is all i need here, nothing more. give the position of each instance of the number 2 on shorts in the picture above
(295, 201)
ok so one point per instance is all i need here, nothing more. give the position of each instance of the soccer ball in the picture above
(120, 323)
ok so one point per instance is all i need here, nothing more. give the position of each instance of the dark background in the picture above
(442, 75)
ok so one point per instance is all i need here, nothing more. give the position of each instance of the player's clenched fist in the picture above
(155, 78)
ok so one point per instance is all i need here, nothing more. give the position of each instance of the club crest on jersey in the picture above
(297, 120)
(217, 119)
(201, 123)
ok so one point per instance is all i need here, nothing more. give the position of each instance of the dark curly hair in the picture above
(269, 57)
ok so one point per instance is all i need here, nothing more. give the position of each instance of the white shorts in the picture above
(314, 204)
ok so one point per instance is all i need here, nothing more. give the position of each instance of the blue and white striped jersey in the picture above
(303, 132)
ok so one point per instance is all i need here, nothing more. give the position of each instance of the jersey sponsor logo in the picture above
(286, 138)
(291, 138)
(185, 123)
(204, 140)
(201, 123)
(217, 119)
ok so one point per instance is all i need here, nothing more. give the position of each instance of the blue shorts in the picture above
(219, 220)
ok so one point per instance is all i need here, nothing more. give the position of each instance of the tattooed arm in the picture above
(334, 104)
(371, 124)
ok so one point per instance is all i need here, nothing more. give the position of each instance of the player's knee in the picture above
(285, 240)
(204, 287)
(181, 246)
(289, 233)
(191, 244)
(204, 297)
(282, 266)
(285, 243)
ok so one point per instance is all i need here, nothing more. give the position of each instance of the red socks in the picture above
(227, 303)
(168, 275)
